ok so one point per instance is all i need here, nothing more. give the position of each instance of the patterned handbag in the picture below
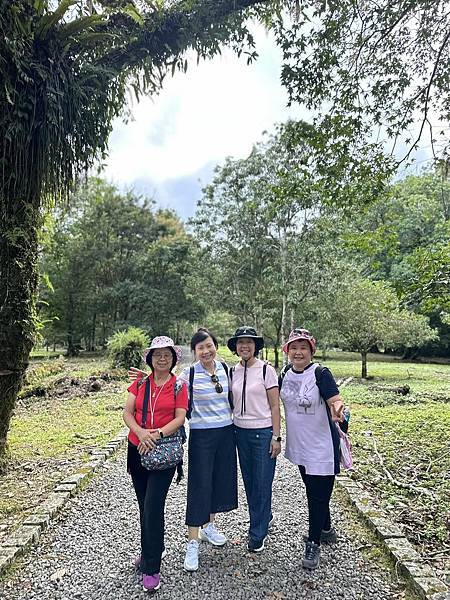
(168, 452)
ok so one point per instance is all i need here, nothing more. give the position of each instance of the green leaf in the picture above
(49, 20)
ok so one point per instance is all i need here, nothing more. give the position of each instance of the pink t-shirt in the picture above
(256, 413)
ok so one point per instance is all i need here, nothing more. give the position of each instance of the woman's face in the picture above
(245, 348)
(205, 351)
(162, 359)
(300, 354)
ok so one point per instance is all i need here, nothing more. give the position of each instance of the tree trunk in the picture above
(18, 275)
(72, 350)
(364, 365)
(277, 357)
(277, 346)
(93, 332)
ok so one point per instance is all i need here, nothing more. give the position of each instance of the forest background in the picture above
(313, 228)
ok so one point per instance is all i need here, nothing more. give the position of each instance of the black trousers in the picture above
(318, 492)
(151, 489)
(212, 474)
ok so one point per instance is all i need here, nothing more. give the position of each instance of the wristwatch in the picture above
(161, 435)
(276, 438)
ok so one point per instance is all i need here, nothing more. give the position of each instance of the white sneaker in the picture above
(212, 535)
(271, 522)
(191, 559)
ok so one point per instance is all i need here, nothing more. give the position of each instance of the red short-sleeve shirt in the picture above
(164, 408)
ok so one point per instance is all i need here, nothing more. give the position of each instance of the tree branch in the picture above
(167, 34)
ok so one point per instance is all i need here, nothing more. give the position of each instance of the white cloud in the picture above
(218, 108)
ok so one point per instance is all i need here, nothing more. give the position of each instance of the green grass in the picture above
(411, 434)
(50, 437)
(56, 429)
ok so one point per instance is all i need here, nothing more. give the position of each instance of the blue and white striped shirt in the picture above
(209, 409)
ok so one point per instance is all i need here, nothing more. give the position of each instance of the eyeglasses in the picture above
(217, 385)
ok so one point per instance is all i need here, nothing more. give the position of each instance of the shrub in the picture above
(125, 348)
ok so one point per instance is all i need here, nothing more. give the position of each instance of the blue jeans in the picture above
(258, 470)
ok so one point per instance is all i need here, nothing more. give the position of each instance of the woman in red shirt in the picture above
(167, 406)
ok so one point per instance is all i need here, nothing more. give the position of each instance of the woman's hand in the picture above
(275, 448)
(134, 374)
(147, 440)
(337, 411)
(336, 406)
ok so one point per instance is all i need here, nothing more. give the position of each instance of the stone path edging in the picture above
(29, 532)
(410, 563)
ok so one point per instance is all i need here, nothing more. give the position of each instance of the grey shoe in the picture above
(312, 556)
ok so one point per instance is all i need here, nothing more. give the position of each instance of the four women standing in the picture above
(312, 404)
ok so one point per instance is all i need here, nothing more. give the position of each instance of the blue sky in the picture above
(219, 108)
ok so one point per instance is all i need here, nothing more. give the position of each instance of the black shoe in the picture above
(326, 537)
(255, 546)
(312, 556)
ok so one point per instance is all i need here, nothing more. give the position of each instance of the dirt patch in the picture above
(68, 387)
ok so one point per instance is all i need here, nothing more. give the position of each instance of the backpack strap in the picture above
(141, 381)
(283, 372)
(230, 394)
(318, 373)
(191, 391)
(264, 371)
(145, 402)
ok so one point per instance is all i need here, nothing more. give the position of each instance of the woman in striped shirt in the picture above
(212, 471)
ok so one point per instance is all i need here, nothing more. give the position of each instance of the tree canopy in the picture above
(371, 70)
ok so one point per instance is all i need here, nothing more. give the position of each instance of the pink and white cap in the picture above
(162, 341)
(300, 334)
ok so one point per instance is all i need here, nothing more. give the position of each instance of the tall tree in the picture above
(367, 313)
(404, 238)
(259, 222)
(64, 75)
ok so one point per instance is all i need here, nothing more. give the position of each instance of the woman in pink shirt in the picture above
(256, 418)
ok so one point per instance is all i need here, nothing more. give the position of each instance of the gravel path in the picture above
(87, 553)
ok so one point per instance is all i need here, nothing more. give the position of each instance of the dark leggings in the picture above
(318, 492)
(151, 489)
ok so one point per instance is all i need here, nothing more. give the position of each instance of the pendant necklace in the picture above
(155, 397)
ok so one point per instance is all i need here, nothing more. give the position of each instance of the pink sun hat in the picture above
(300, 334)
(162, 341)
